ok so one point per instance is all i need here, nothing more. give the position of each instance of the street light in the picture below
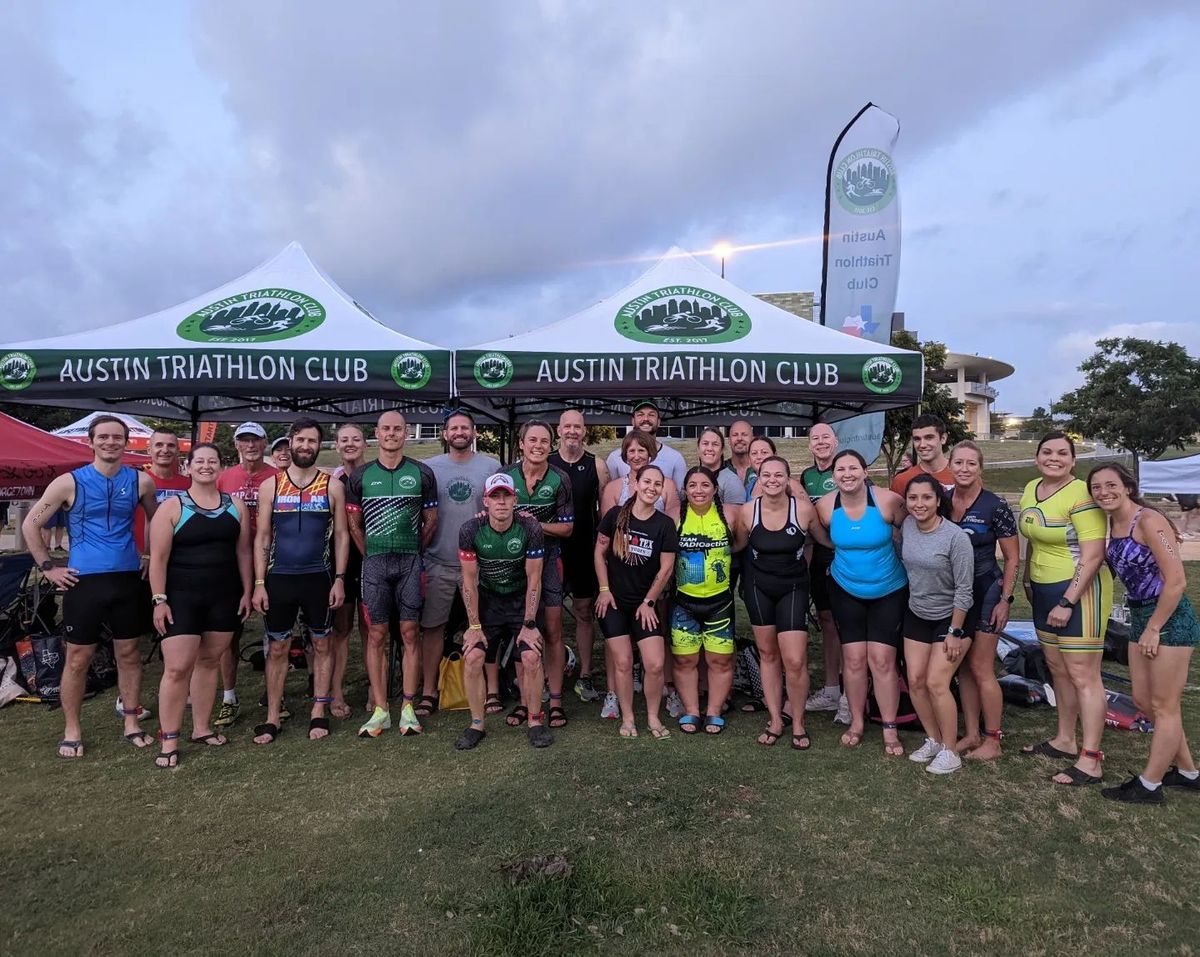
(722, 250)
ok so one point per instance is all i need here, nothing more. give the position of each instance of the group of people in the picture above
(916, 579)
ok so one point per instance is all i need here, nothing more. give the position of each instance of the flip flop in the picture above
(76, 746)
(1046, 750)
(556, 717)
(135, 736)
(801, 742)
(165, 760)
(851, 739)
(1078, 778)
(212, 739)
(660, 732)
(771, 736)
(628, 731)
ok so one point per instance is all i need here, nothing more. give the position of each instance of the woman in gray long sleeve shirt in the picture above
(940, 562)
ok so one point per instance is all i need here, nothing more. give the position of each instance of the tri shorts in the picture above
(552, 579)
(579, 569)
(392, 583)
(114, 599)
(702, 623)
(501, 617)
(441, 584)
(1182, 630)
(201, 607)
(289, 595)
(771, 606)
(868, 619)
(1084, 630)
(986, 598)
(818, 576)
(924, 630)
(622, 620)
(353, 580)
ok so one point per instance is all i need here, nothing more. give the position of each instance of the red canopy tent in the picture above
(31, 458)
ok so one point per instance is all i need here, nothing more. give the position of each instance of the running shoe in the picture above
(612, 707)
(674, 704)
(228, 714)
(926, 752)
(843, 711)
(409, 724)
(637, 678)
(1175, 779)
(1134, 792)
(946, 761)
(143, 712)
(379, 722)
(585, 690)
(826, 699)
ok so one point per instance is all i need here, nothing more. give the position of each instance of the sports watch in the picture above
(1065, 602)
(956, 633)
(529, 623)
(47, 565)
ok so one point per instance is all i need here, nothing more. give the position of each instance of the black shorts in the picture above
(782, 608)
(552, 579)
(622, 620)
(502, 617)
(197, 606)
(352, 583)
(868, 619)
(818, 576)
(924, 630)
(986, 596)
(392, 583)
(115, 599)
(579, 569)
(288, 595)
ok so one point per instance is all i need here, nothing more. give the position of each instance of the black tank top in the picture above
(585, 490)
(777, 557)
(204, 546)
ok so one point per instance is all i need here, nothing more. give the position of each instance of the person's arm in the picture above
(671, 500)
(470, 596)
(60, 493)
(604, 598)
(148, 495)
(429, 511)
(608, 497)
(341, 544)
(1160, 539)
(962, 564)
(245, 559)
(262, 543)
(533, 598)
(1091, 529)
(806, 514)
(160, 539)
(354, 519)
(740, 531)
(1010, 551)
(602, 475)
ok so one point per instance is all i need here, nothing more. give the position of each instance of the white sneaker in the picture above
(143, 712)
(843, 711)
(946, 762)
(674, 704)
(612, 707)
(926, 752)
(824, 700)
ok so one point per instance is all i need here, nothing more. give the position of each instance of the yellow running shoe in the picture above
(409, 724)
(379, 722)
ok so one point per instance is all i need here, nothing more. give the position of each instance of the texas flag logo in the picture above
(860, 325)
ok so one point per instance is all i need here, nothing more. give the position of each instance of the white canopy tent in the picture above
(1172, 477)
(78, 430)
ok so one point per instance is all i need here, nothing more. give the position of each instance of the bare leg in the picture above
(70, 693)
(585, 632)
(531, 686)
(343, 624)
(831, 648)
(981, 666)
(322, 675)
(687, 681)
(916, 668)
(1065, 700)
(854, 676)
(938, 676)
(720, 681)
(653, 656)
(203, 682)
(432, 644)
(376, 659)
(476, 685)
(410, 636)
(881, 658)
(277, 667)
(622, 655)
(793, 649)
(129, 680)
(770, 666)
(179, 658)
(1083, 673)
(229, 663)
(1168, 675)
(556, 652)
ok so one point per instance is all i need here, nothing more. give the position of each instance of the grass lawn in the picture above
(599, 844)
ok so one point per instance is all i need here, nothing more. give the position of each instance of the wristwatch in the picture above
(956, 633)
(529, 623)
(1008, 598)
(47, 565)
(1064, 602)
(158, 600)
(650, 601)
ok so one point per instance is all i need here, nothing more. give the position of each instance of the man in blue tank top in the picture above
(101, 585)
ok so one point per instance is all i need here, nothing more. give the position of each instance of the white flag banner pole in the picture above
(862, 248)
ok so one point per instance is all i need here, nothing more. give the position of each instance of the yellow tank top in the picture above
(702, 565)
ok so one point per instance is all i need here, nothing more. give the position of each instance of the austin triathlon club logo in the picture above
(264, 315)
(411, 370)
(684, 315)
(460, 490)
(17, 370)
(493, 370)
(882, 375)
(865, 181)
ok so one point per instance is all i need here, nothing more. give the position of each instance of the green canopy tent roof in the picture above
(703, 348)
(280, 342)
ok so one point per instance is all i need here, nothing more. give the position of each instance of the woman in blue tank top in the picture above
(200, 574)
(868, 590)
(1143, 552)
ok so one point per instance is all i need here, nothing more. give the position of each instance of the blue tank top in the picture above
(100, 521)
(1135, 565)
(301, 526)
(864, 556)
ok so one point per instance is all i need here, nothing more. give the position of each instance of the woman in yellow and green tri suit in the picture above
(702, 619)
(1070, 589)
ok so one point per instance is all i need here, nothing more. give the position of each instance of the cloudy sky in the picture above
(470, 169)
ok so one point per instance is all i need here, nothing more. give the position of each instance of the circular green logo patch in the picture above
(459, 490)
(493, 370)
(411, 370)
(682, 315)
(514, 546)
(882, 375)
(17, 370)
(407, 483)
(264, 315)
(865, 181)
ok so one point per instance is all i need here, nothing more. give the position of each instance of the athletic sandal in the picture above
(469, 738)
(1080, 778)
(893, 749)
(167, 759)
(801, 742)
(714, 724)
(135, 736)
(212, 739)
(493, 704)
(266, 729)
(628, 731)
(752, 706)
(318, 724)
(556, 717)
(75, 746)
(427, 705)
(769, 737)
(851, 739)
(1047, 750)
(662, 732)
(540, 736)
(517, 717)
(689, 723)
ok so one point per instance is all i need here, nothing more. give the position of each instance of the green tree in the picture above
(1040, 422)
(1140, 395)
(936, 400)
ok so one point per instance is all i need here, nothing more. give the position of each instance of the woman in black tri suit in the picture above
(778, 525)
(200, 574)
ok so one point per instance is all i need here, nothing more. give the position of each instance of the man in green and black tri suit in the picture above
(817, 480)
(391, 507)
(544, 493)
(502, 561)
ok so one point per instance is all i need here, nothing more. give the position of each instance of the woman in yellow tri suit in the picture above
(1070, 589)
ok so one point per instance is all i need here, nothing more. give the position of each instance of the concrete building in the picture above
(969, 379)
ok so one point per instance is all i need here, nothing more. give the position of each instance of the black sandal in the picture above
(135, 736)
(212, 739)
(271, 729)
(797, 738)
(556, 717)
(1078, 778)
(771, 736)
(166, 760)
(426, 706)
(517, 717)
(494, 704)
(318, 724)
(1046, 750)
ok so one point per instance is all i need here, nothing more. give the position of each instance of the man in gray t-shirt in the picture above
(460, 476)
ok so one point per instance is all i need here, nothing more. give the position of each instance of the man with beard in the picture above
(646, 418)
(460, 475)
(300, 553)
